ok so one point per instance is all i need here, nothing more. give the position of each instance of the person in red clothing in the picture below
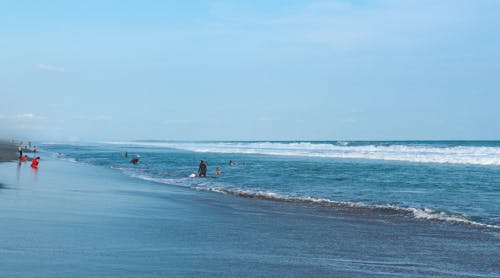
(24, 158)
(35, 162)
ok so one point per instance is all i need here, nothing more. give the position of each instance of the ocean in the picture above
(457, 181)
(282, 209)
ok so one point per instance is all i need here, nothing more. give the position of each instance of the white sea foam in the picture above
(67, 158)
(475, 155)
(419, 213)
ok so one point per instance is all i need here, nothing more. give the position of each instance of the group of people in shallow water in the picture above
(202, 170)
(134, 160)
(34, 162)
(24, 158)
(202, 167)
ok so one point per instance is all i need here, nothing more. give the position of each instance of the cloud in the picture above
(381, 25)
(103, 118)
(29, 127)
(48, 67)
(24, 117)
(348, 121)
(96, 118)
(357, 110)
(177, 122)
(29, 116)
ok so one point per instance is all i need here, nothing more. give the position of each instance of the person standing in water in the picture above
(35, 162)
(202, 168)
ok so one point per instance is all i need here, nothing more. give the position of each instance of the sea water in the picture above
(455, 181)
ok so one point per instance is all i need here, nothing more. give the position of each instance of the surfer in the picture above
(218, 171)
(232, 163)
(193, 174)
(202, 168)
(23, 158)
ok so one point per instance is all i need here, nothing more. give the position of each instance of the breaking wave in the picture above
(418, 213)
(419, 153)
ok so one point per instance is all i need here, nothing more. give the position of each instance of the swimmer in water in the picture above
(135, 160)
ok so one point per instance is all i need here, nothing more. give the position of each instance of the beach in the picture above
(8, 151)
(80, 220)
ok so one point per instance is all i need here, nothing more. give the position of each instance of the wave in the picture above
(205, 185)
(68, 158)
(418, 153)
(419, 213)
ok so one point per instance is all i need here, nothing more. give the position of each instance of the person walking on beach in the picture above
(202, 168)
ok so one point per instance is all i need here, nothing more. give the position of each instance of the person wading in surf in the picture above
(202, 169)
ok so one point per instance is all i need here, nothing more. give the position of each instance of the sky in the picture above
(250, 70)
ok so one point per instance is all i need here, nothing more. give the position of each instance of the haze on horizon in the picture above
(250, 70)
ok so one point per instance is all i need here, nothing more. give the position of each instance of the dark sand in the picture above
(8, 151)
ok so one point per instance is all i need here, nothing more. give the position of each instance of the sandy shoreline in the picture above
(8, 151)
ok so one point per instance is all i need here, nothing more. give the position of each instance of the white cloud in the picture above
(346, 25)
(24, 117)
(103, 118)
(28, 116)
(96, 118)
(348, 121)
(265, 119)
(357, 110)
(29, 127)
(48, 67)
(177, 122)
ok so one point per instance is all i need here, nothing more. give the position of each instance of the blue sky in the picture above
(250, 70)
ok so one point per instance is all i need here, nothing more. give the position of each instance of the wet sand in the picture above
(74, 220)
(8, 151)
